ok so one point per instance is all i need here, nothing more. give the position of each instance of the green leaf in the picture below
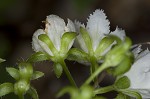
(131, 93)
(38, 56)
(1, 60)
(6, 88)
(44, 38)
(103, 45)
(66, 40)
(13, 72)
(36, 75)
(122, 83)
(33, 93)
(122, 96)
(86, 38)
(77, 55)
(58, 69)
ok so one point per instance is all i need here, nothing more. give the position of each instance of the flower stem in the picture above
(99, 70)
(21, 96)
(94, 68)
(68, 73)
(103, 90)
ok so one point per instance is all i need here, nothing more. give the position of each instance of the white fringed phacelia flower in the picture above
(56, 39)
(139, 74)
(93, 38)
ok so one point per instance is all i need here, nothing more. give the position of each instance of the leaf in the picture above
(38, 56)
(13, 72)
(122, 83)
(33, 93)
(6, 88)
(67, 41)
(36, 75)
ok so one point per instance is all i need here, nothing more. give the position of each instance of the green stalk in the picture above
(21, 96)
(94, 66)
(68, 73)
(103, 90)
(96, 73)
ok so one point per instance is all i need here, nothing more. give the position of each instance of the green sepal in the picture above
(131, 93)
(103, 45)
(75, 54)
(122, 83)
(86, 38)
(114, 37)
(66, 39)
(2, 60)
(124, 66)
(6, 88)
(25, 70)
(122, 96)
(38, 56)
(33, 93)
(13, 72)
(117, 54)
(58, 69)
(44, 38)
(36, 75)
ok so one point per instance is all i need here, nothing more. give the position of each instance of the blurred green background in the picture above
(20, 18)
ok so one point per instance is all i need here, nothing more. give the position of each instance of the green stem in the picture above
(94, 68)
(68, 73)
(21, 96)
(103, 90)
(99, 70)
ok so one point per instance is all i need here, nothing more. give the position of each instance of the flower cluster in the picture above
(94, 45)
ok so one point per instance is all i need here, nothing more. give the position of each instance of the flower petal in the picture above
(139, 75)
(55, 28)
(79, 42)
(119, 33)
(70, 26)
(97, 26)
(136, 50)
(38, 45)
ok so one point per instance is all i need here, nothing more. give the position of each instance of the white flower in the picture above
(55, 28)
(139, 74)
(97, 28)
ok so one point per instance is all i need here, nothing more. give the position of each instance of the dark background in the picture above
(20, 18)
